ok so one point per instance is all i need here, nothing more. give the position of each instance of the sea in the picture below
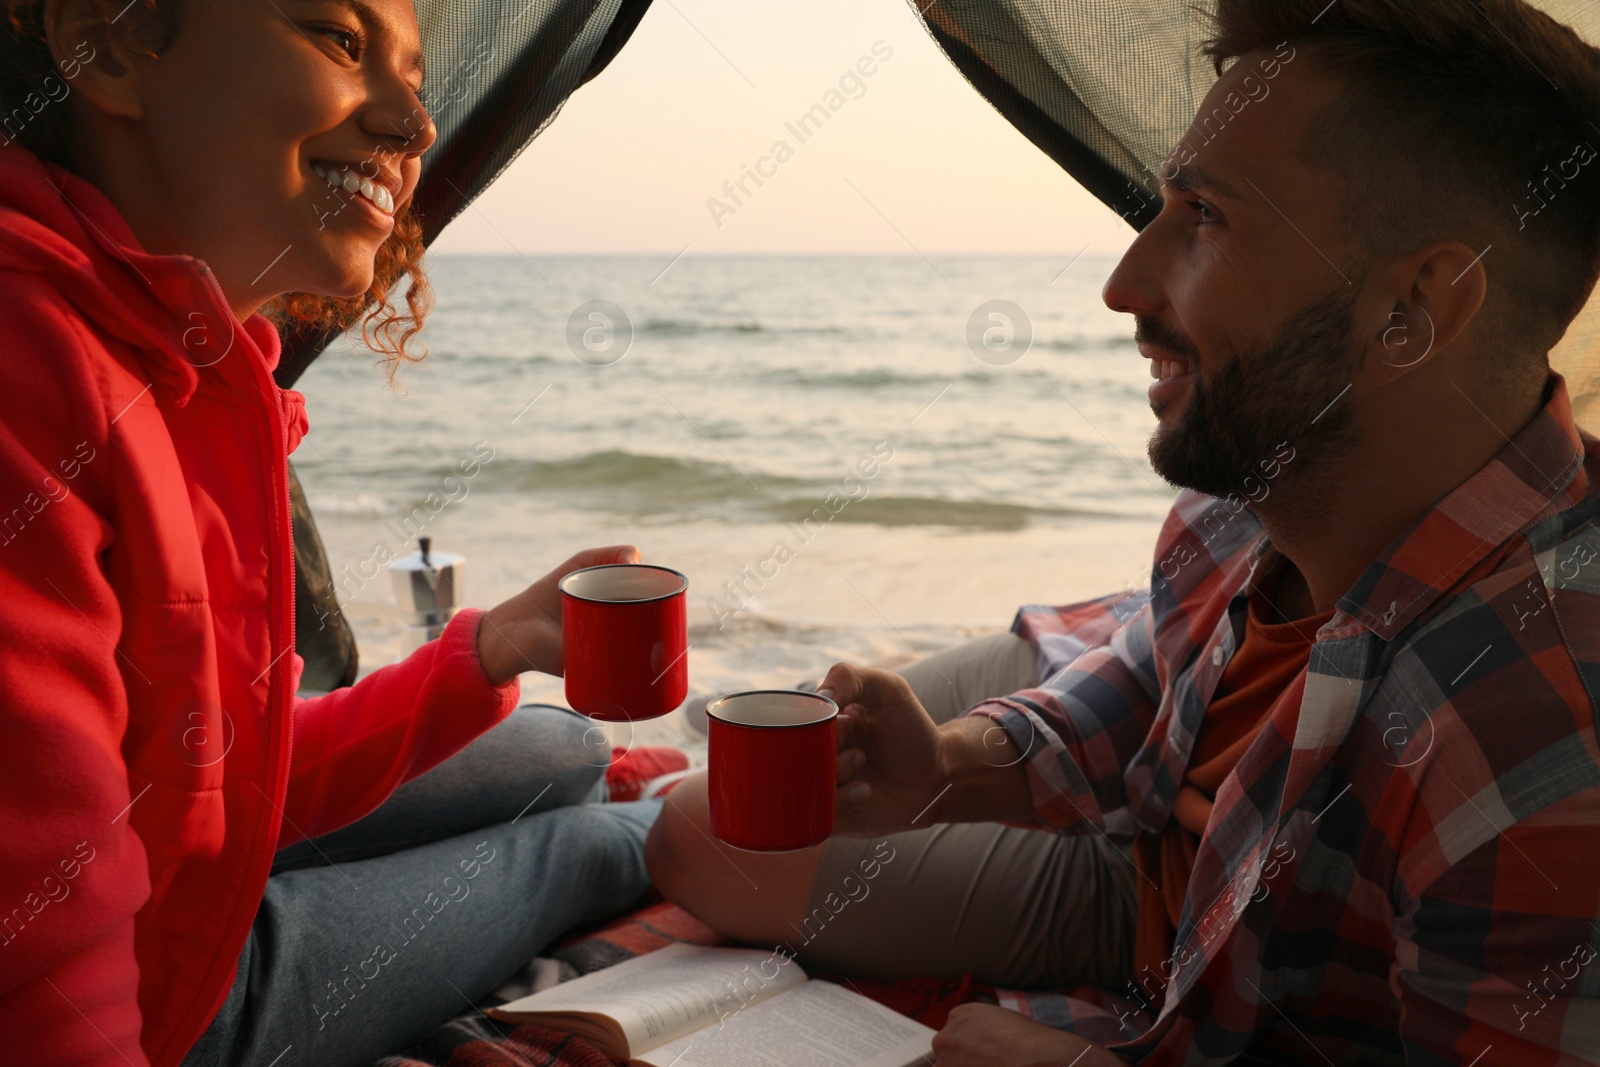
(863, 459)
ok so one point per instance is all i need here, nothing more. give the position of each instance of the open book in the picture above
(689, 1006)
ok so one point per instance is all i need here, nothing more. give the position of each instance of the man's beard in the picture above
(1244, 417)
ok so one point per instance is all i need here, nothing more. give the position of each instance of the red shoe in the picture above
(633, 768)
(660, 787)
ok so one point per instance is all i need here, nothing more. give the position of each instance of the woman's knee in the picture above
(599, 847)
(557, 728)
(544, 745)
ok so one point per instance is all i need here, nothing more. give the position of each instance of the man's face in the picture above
(1242, 290)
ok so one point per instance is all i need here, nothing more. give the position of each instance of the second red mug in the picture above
(624, 639)
(773, 756)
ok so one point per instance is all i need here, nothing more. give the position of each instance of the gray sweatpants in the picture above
(1018, 908)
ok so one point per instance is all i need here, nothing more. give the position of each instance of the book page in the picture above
(818, 1024)
(668, 993)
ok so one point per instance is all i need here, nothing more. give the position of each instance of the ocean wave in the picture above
(1087, 344)
(360, 503)
(936, 511)
(864, 379)
(755, 627)
(889, 379)
(632, 481)
(690, 328)
(680, 328)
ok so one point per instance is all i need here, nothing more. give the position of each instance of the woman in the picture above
(167, 176)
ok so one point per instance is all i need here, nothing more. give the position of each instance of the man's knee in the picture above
(954, 679)
(745, 895)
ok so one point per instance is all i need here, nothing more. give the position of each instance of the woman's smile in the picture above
(349, 178)
(373, 197)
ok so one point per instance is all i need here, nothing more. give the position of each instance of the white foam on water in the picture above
(741, 456)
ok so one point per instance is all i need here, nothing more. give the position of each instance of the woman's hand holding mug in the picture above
(524, 633)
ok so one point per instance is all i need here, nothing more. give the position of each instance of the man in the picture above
(1351, 727)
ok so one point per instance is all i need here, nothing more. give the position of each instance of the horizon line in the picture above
(444, 253)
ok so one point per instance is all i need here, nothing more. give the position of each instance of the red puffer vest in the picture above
(152, 753)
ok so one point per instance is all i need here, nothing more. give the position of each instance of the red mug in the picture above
(773, 756)
(624, 640)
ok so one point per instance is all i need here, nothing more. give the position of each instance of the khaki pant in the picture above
(1020, 909)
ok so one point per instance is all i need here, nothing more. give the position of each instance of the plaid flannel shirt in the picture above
(1404, 867)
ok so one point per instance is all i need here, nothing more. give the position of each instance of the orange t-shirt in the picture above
(1268, 659)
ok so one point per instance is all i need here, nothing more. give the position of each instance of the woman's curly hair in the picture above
(26, 64)
(385, 329)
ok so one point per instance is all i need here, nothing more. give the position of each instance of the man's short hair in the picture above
(1469, 120)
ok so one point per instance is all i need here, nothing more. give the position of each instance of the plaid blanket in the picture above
(475, 1040)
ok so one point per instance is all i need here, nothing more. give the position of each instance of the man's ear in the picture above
(1429, 297)
(101, 61)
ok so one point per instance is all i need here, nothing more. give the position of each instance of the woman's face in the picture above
(252, 128)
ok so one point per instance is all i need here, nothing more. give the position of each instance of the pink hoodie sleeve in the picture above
(354, 746)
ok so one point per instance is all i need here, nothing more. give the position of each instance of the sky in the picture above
(914, 161)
